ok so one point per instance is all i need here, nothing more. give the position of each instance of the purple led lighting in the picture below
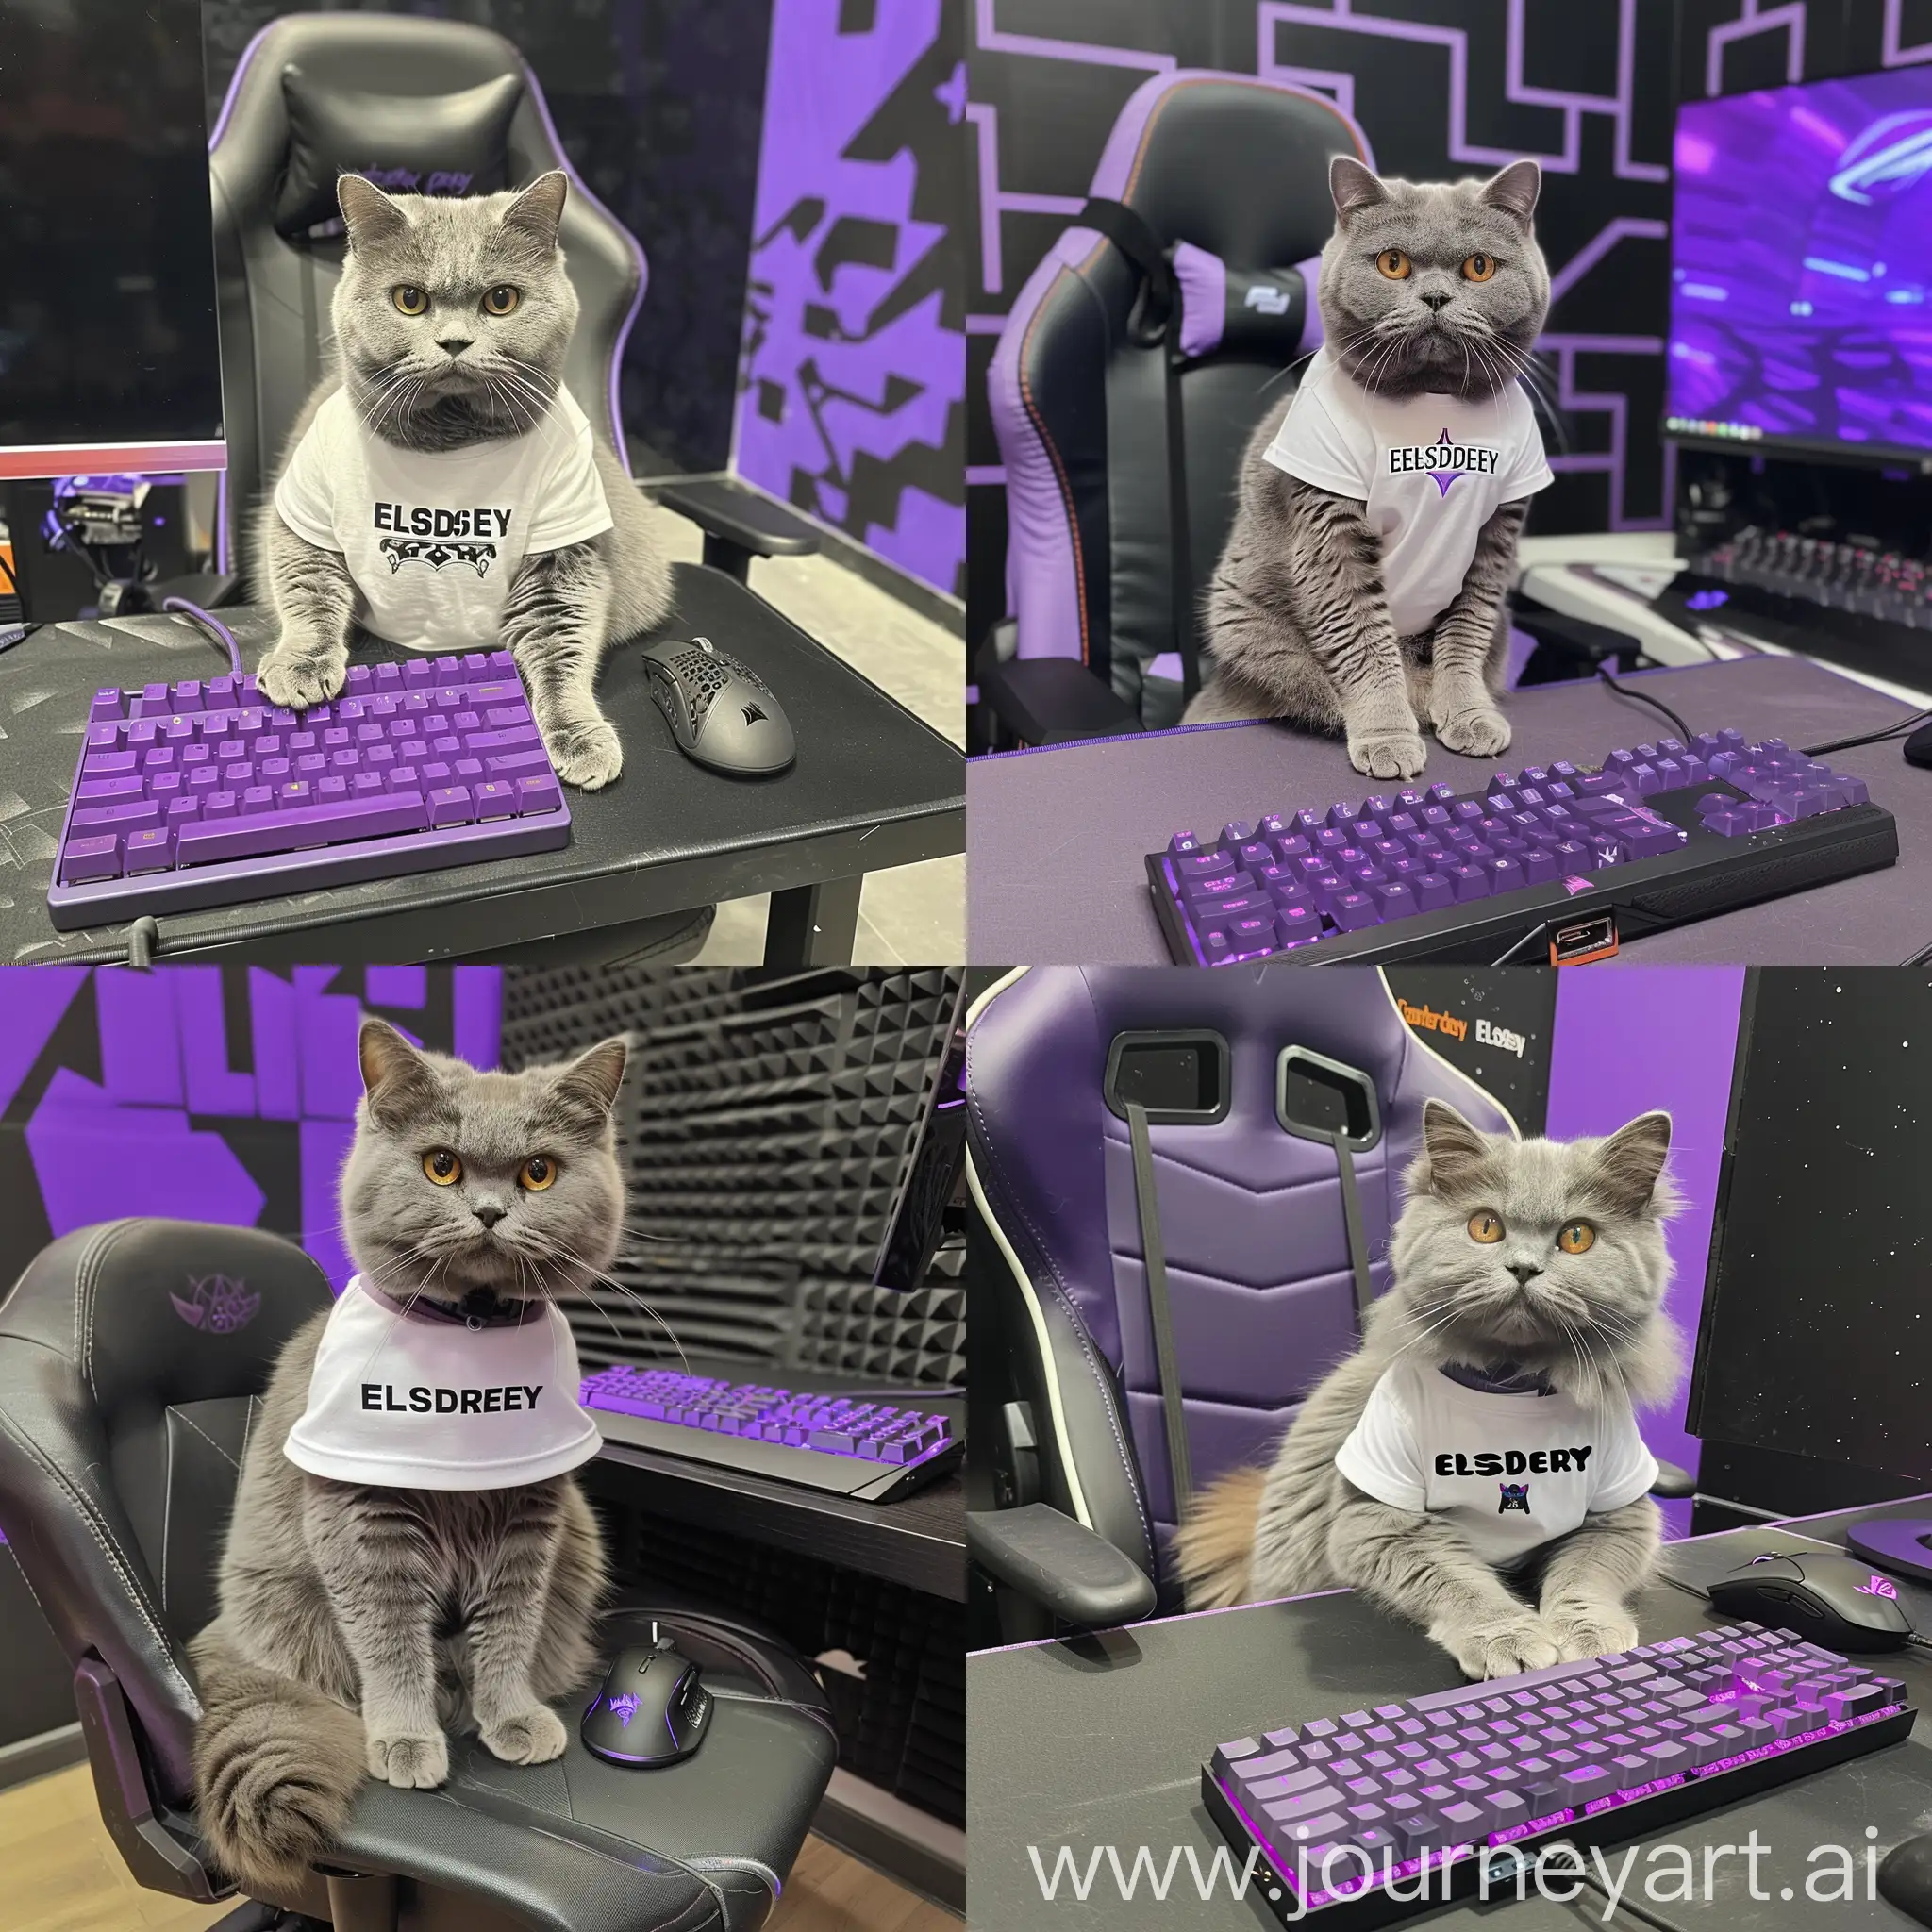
(626, 1708)
(1880, 1585)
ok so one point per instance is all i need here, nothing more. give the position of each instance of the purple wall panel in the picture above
(1628, 1042)
(36, 1001)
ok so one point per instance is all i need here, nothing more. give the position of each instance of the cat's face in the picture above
(1547, 1254)
(459, 1180)
(1433, 287)
(453, 311)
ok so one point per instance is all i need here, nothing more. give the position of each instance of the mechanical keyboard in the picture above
(850, 1445)
(203, 793)
(1470, 1784)
(1582, 857)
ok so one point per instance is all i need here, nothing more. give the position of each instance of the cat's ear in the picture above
(368, 213)
(588, 1086)
(1628, 1163)
(1514, 190)
(1352, 186)
(538, 211)
(1455, 1150)
(395, 1077)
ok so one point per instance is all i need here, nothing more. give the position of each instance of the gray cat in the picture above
(358, 1625)
(1589, 1325)
(1297, 614)
(567, 606)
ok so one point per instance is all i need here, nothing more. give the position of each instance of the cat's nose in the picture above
(1435, 299)
(455, 345)
(489, 1212)
(1525, 1272)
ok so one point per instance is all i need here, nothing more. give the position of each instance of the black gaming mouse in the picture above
(1919, 746)
(651, 1708)
(1905, 1879)
(1827, 1596)
(720, 713)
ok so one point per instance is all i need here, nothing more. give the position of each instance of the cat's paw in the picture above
(532, 1737)
(1500, 1649)
(1478, 731)
(587, 755)
(299, 679)
(1589, 1629)
(416, 1764)
(1379, 754)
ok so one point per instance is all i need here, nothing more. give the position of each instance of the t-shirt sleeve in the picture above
(1315, 445)
(570, 505)
(1625, 1466)
(305, 498)
(1382, 1456)
(1529, 467)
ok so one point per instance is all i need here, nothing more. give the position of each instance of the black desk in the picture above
(1100, 1741)
(873, 788)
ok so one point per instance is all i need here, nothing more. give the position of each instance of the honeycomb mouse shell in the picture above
(721, 714)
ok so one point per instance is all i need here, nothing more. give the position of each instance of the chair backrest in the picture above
(1232, 174)
(429, 105)
(132, 1357)
(1244, 1076)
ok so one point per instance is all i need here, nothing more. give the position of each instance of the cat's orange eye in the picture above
(502, 299)
(537, 1173)
(1394, 264)
(1478, 268)
(443, 1167)
(410, 300)
(1576, 1236)
(1485, 1226)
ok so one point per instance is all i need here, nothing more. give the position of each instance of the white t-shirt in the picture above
(433, 541)
(1432, 471)
(1511, 1471)
(416, 1402)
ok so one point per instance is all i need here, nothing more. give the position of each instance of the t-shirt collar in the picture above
(1503, 1379)
(473, 1313)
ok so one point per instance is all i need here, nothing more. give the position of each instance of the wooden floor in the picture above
(60, 1872)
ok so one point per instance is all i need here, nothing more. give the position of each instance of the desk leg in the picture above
(734, 559)
(813, 926)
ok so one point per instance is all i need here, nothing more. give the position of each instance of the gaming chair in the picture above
(1137, 360)
(132, 1359)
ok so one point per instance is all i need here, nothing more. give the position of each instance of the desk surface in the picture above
(1100, 1741)
(872, 787)
(1057, 837)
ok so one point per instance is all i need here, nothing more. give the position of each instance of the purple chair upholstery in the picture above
(1258, 1269)
(1231, 173)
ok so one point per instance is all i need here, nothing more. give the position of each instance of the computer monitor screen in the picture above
(1801, 269)
(1813, 1339)
(108, 354)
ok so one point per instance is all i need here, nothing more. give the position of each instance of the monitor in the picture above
(110, 358)
(1800, 271)
(1814, 1339)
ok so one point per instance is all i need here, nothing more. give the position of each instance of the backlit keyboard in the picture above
(1469, 1783)
(853, 1444)
(1563, 855)
(203, 793)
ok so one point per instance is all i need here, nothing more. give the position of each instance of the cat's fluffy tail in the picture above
(276, 1768)
(1215, 1545)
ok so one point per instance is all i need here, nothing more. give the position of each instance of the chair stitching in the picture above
(167, 1509)
(208, 1439)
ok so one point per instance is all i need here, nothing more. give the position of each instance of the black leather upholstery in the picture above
(132, 1356)
(443, 84)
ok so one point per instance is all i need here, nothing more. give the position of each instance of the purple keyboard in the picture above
(1415, 873)
(1341, 1808)
(203, 793)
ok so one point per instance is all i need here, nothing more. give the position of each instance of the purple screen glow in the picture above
(1802, 264)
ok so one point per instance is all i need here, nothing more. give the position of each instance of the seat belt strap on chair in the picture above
(1159, 1313)
(1358, 1237)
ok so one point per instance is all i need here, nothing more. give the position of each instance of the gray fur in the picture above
(1591, 1323)
(566, 609)
(358, 1625)
(1296, 613)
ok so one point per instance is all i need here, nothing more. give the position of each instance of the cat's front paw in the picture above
(586, 755)
(1478, 731)
(1589, 1629)
(1500, 1649)
(531, 1737)
(410, 1763)
(299, 678)
(1385, 754)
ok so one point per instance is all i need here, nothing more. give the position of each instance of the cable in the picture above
(1813, 751)
(143, 940)
(1624, 690)
(1584, 1875)
(1921, 957)
(213, 627)
(1508, 958)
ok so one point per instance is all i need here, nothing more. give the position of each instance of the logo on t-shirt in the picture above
(1443, 461)
(437, 537)
(1515, 1497)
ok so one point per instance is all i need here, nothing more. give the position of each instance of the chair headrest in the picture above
(1269, 313)
(450, 143)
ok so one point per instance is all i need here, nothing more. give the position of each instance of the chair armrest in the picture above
(1052, 700)
(1058, 1564)
(738, 523)
(1673, 1482)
